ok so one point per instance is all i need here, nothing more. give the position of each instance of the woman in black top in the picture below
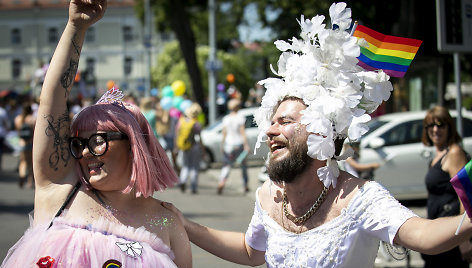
(439, 131)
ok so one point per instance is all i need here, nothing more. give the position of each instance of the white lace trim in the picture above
(372, 215)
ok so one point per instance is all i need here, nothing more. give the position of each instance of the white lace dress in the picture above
(350, 240)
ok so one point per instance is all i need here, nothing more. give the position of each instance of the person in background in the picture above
(162, 123)
(95, 176)
(24, 125)
(147, 108)
(189, 142)
(37, 79)
(234, 144)
(440, 131)
(353, 166)
(4, 128)
(169, 138)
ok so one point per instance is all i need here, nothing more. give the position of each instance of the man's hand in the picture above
(177, 212)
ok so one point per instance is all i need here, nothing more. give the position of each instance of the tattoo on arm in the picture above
(68, 76)
(59, 130)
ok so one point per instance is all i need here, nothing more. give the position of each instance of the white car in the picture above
(212, 139)
(394, 141)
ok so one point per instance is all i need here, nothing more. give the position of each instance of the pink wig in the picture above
(151, 169)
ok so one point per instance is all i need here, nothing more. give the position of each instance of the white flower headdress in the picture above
(321, 69)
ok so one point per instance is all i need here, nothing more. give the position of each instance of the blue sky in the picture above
(253, 30)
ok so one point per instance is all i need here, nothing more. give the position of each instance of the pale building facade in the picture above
(113, 49)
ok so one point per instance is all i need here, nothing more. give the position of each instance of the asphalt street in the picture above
(230, 211)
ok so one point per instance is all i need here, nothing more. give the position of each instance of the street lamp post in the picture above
(147, 46)
(213, 64)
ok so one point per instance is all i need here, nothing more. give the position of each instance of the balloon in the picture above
(179, 87)
(174, 113)
(220, 87)
(230, 78)
(166, 103)
(167, 91)
(176, 101)
(110, 84)
(184, 105)
(154, 92)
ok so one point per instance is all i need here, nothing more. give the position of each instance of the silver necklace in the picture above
(309, 213)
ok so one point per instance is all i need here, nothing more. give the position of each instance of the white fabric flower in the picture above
(321, 68)
(340, 15)
(358, 127)
(329, 174)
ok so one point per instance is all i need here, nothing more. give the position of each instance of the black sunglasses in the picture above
(439, 125)
(97, 143)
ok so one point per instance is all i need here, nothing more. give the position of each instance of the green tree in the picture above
(243, 64)
(188, 20)
(176, 15)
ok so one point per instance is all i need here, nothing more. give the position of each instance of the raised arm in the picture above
(51, 157)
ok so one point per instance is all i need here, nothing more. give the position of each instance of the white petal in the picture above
(282, 45)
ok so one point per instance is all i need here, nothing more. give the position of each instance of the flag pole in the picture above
(354, 26)
(460, 223)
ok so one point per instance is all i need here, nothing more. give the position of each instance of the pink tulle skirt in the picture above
(102, 244)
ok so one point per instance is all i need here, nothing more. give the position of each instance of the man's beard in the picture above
(289, 167)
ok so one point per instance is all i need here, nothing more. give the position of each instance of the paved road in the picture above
(230, 211)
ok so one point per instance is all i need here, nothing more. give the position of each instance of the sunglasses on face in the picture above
(97, 143)
(430, 126)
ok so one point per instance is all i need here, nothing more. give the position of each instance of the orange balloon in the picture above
(77, 77)
(230, 78)
(110, 84)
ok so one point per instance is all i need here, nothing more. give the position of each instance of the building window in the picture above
(90, 35)
(166, 36)
(16, 68)
(127, 34)
(53, 36)
(89, 73)
(90, 64)
(128, 66)
(16, 36)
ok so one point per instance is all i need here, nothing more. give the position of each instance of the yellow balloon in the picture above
(179, 87)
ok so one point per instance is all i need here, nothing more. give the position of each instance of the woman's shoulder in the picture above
(161, 215)
(455, 149)
(456, 152)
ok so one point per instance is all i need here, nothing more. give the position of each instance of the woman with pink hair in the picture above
(95, 176)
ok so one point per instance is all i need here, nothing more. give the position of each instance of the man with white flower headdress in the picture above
(315, 215)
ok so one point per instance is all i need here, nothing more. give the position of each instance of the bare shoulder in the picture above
(163, 216)
(269, 194)
(456, 156)
(158, 208)
(456, 151)
(454, 160)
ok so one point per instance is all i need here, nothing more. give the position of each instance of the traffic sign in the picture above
(454, 25)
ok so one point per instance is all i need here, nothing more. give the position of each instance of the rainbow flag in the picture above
(462, 183)
(390, 53)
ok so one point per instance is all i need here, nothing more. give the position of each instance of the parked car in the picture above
(394, 140)
(212, 139)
